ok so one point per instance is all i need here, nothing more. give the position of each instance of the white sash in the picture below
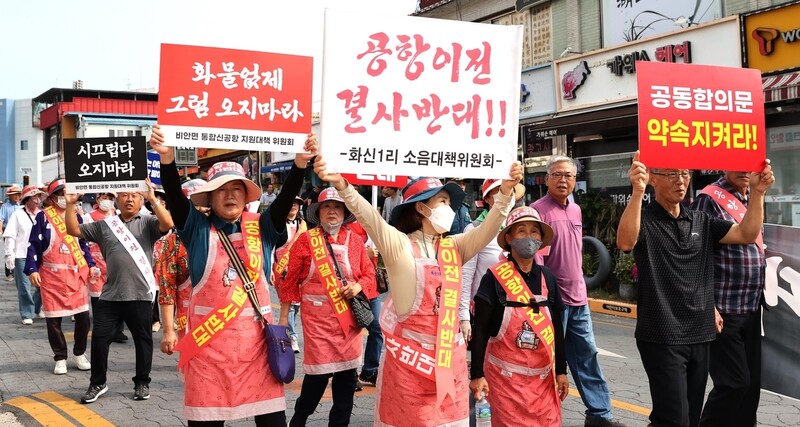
(134, 250)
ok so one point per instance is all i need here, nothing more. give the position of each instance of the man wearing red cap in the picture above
(6, 209)
(58, 264)
(16, 236)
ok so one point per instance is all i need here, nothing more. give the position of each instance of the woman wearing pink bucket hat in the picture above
(421, 314)
(215, 391)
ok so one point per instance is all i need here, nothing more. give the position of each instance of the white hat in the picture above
(220, 174)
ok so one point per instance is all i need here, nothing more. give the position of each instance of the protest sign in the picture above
(700, 117)
(418, 96)
(379, 180)
(95, 165)
(154, 167)
(235, 99)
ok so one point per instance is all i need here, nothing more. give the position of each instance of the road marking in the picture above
(41, 412)
(74, 409)
(602, 352)
(45, 413)
(620, 404)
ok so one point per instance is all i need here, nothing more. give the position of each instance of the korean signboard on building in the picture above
(537, 92)
(701, 117)
(234, 99)
(421, 97)
(93, 165)
(772, 39)
(608, 76)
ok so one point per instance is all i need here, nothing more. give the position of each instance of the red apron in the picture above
(410, 399)
(96, 282)
(521, 381)
(63, 287)
(230, 378)
(327, 349)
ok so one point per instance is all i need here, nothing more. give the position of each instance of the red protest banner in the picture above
(237, 99)
(700, 117)
(379, 180)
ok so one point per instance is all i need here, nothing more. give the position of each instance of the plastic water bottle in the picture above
(483, 412)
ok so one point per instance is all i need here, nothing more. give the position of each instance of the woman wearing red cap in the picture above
(423, 381)
(333, 341)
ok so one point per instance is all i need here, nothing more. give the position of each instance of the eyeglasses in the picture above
(674, 176)
(559, 175)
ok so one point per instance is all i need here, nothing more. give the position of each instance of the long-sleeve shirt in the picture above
(40, 240)
(299, 267)
(17, 232)
(489, 312)
(473, 270)
(395, 246)
(194, 228)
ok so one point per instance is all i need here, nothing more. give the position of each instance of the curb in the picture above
(614, 308)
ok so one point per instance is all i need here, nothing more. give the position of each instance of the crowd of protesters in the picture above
(507, 286)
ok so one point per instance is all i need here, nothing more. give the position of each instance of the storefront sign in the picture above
(234, 99)
(628, 20)
(772, 39)
(701, 117)
(607, 76)
(537, 94)
(95, 165)
(536, 146)
(417, 96)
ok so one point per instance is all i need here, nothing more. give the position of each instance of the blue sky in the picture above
(114, 45)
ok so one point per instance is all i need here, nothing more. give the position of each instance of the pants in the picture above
(94, 300)
(677, 375)
(30, 300)
(56, 337)
(343, 388)
(735, 367)
(108, 317)
(156, 310)
(372, 352)
(294, 310)
(581, 355)
(275, 419)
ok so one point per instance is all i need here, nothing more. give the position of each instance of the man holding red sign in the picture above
(673, 248)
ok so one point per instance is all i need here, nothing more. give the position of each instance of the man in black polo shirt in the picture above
(674, 252)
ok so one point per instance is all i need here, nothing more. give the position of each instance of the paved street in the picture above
(26, 380)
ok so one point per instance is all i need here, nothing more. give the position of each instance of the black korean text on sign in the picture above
(94, 164)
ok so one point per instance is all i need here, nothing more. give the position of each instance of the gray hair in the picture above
(561, 159)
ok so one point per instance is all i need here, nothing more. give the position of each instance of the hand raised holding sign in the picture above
(321, 169)
(157, 143)
(638, 174)
(310, 149)
(761, 182)
(507, 187)
(72, 198)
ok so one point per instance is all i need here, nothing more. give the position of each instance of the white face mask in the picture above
(61, 202)
(331, 228)
(441, 218)
(105, 205)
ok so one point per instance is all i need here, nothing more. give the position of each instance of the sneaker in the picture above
(141, 392)
(27, 321)
(61, 367)
(359, 386)
(93, 393)
(9, 278)
(156, 326)
(81, 362)
(369, 377)
(600, 422)
(40, 315)
(295, 345)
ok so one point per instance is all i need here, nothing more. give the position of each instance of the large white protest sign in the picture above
(419, 96)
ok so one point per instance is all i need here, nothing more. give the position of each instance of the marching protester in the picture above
(424, 271)
(295, 226)
(216, 391)
(518, 333)
(126, 241)
(6, 209)
(392, 198)
(58, 264)
(174, 284)
(104, 208)
(674, 249)
(15, 237)
(565, 260)
(332, 339)
(739, 279)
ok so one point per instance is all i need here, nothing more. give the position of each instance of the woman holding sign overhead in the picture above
(227, 373)
(424, 376)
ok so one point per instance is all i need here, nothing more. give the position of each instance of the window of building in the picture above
(112, 133)
(51, 141)
(23, 145)
(130, 133)
(783, 199)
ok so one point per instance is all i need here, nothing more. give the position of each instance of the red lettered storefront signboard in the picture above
(235, 99)
(700, 117)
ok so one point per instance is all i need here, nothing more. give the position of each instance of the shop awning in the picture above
(591, 121)
(780, 87)
(277, 167)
